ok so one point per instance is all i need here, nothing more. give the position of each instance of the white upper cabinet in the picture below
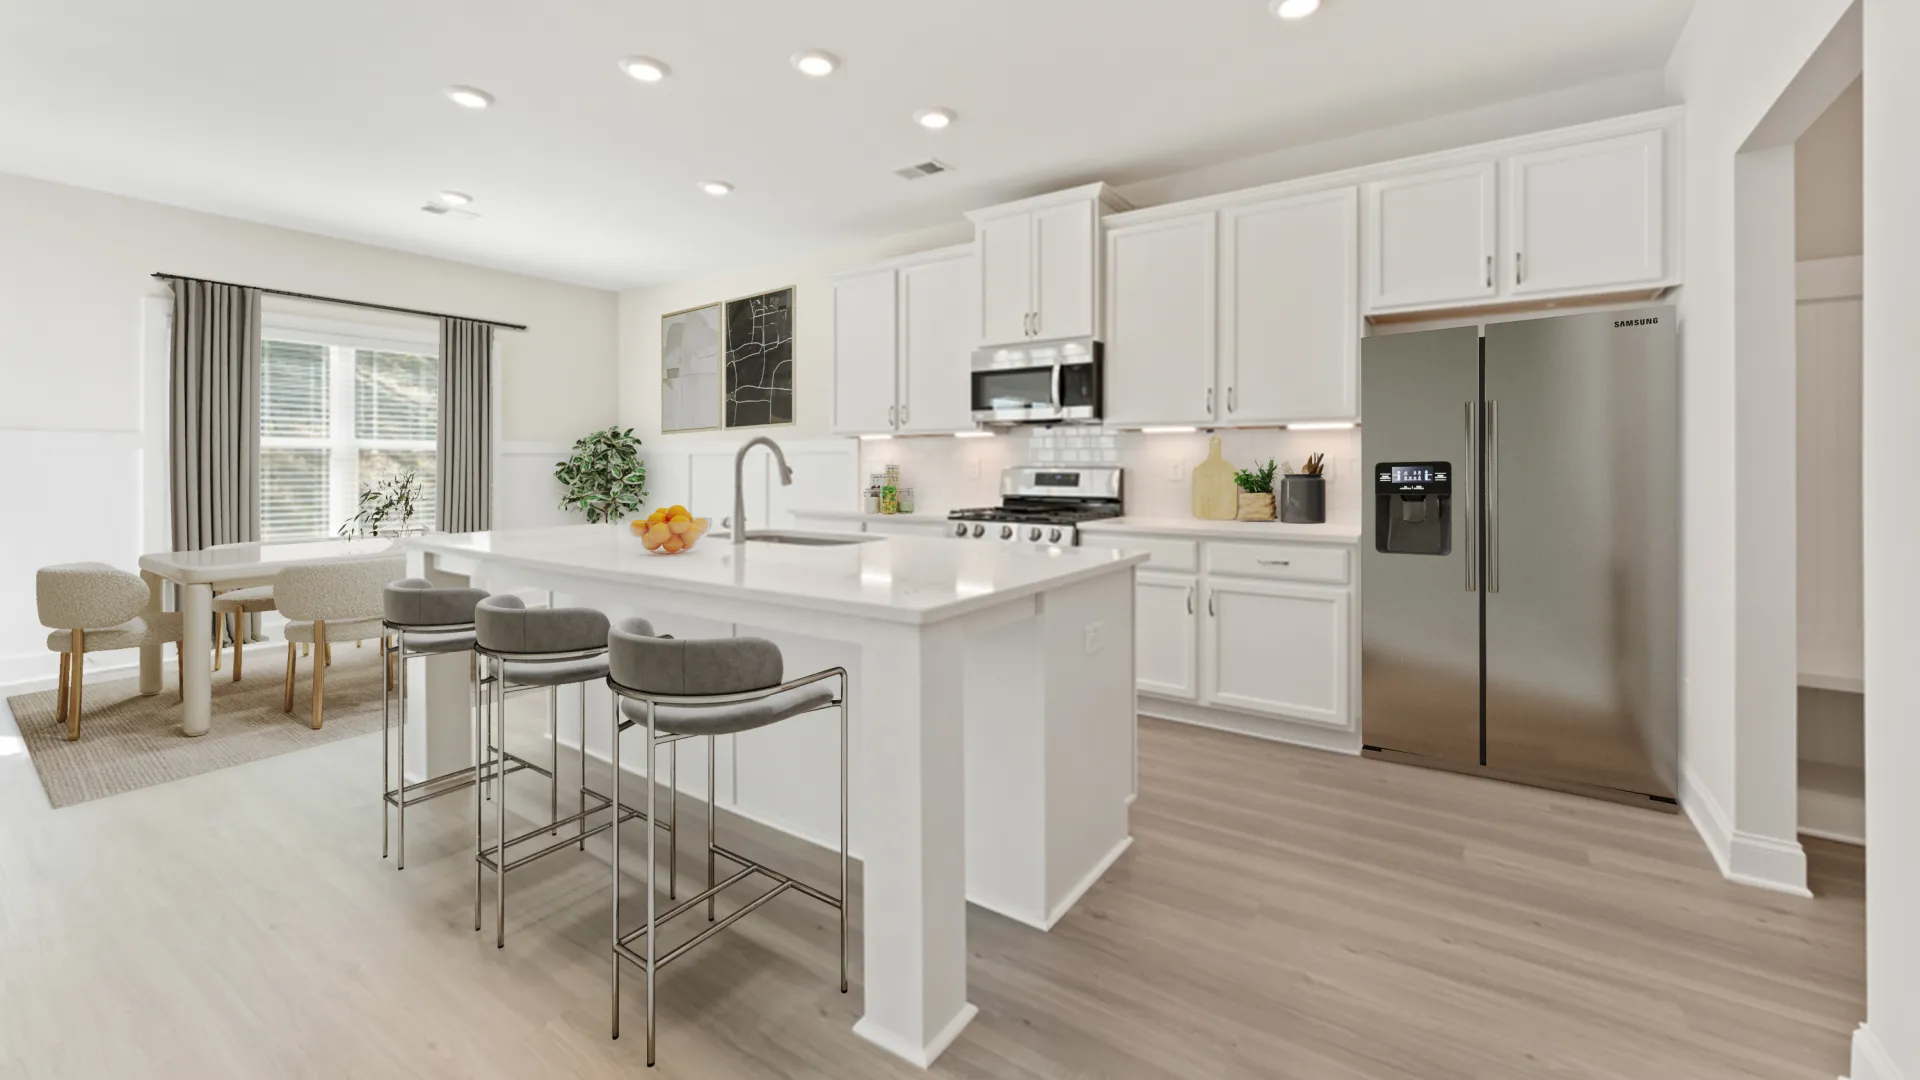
(936, 313)
(1432, 238)
(1162, 311)
(901, 355)
(1004, 249)
(1039, 266)
(1588, 217)
(1290, 309)
(1066, 262)
(865, 351)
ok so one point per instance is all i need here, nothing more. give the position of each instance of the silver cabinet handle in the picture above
(1036, 324)
(1233, 399)
(1275, 562)
(1519, 273)
(890, 420)
(1189, 600)
(1209, 401)
(727, 522)
(1489, 271)
(1210, 610)
(1473, 511)
(1493, 496)
(903, 416)
(1026, 324)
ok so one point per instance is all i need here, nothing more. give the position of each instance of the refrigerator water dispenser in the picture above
(1413, 508)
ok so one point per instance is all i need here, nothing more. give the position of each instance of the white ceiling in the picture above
(328, 116)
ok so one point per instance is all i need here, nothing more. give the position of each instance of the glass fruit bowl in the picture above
(669, 531)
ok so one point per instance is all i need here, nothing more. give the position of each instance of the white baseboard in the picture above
(922, 1056)
(1079, 890)
(1763, 862)
(1312, 736)
(1835, 836)
(1870, 1059)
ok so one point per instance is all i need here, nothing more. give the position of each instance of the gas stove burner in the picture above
(1043, 504)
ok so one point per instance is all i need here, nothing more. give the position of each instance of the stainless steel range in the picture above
(1042, 505)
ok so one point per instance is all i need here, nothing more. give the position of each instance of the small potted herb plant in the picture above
(1256, 491)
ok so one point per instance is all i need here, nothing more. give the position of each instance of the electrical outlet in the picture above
(973, 468)
(1096, 637)
(1175, 469)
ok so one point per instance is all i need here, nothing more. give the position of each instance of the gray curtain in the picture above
(213, 439)
(466, 426)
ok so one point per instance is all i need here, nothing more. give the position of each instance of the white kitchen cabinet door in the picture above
(865, 347)
(1066, 268)
(1004, 250)
(1277, 649)
(1165, 630)
(1587, 218)
(1430, 240)
(1290, 312)
(936, 309)
(1162, 312)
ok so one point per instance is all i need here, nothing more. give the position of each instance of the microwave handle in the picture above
(1059, 380)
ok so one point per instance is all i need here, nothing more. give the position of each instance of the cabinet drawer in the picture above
(1294, 562)
(1173, 556)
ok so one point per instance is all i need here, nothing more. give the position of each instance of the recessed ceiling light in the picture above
(645, 68)
(934, 119)
(455, 198)
(468, 96)
(1295, 9)
(715, 188)
(816, 63)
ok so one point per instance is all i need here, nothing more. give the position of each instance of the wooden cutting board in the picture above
(1215, 497)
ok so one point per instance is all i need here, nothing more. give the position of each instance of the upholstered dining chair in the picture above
(92, 607)
(328, 602)
(230, 611)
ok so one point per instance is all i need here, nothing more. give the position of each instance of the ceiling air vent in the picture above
(929, 167)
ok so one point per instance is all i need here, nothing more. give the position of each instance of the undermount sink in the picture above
(807, 539)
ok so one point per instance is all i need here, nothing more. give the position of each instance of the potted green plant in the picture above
(389, 501)
(1256, 491)
(604, 476)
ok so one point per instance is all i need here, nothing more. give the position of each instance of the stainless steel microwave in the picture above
(1047, 382)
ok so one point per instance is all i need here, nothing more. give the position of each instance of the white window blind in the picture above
(337, 417)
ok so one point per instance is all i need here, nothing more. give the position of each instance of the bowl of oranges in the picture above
(669, 531)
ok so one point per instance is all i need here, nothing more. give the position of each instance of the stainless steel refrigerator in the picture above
(1520, 586)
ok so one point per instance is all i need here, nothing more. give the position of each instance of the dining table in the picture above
(197, 574)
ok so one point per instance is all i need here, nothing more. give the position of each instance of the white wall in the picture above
(77, 436)
(1888, 1048)
(1826, 182)
(1732, 65)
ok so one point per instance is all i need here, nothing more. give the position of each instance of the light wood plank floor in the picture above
(1283, 913)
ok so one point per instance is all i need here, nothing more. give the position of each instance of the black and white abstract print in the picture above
(759, 373)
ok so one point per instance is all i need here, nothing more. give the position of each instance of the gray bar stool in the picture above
(526, 647)
(422, 619)
(685, 689)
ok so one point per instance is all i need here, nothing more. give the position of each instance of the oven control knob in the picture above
(1006, 532)
(1054, 537)
(1035, 533)
(979, 531)
(960, 529)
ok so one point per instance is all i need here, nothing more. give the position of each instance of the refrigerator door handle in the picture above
(1473, 510)
(1493, 496)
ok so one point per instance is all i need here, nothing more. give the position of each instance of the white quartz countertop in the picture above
(1224, 530)
(907, 579)
(231, 562)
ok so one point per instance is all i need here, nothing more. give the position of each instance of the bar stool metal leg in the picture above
(651, 869)
(500, 809)
(613, 732)
(583, 766)
(553, 744)
(386, 750)
(479, 775)
(713, 812)
(400, 794)
(843, 834)
(673, 819)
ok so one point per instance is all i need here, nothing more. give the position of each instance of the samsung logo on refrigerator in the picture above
(1618, 323)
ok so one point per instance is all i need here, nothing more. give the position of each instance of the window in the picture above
(336, 416)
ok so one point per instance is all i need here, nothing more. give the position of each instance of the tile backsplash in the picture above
(947, 473)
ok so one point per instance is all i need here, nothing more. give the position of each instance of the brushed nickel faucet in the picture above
(739, 523)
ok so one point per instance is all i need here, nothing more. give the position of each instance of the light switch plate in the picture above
(1096, 637)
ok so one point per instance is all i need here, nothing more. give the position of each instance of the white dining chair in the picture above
(327, 602)
(230, 611)
(92, 607)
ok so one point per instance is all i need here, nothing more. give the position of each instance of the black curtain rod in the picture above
(347, 303)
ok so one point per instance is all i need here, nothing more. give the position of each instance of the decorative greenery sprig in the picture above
(1257, 480)
(379, 503)
(604, 476)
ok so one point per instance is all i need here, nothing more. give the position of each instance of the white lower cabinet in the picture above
(1278, 648)
(1167, 635)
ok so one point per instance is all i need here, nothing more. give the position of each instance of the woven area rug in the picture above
(129, 742)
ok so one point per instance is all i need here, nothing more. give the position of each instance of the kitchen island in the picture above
(991, 720)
